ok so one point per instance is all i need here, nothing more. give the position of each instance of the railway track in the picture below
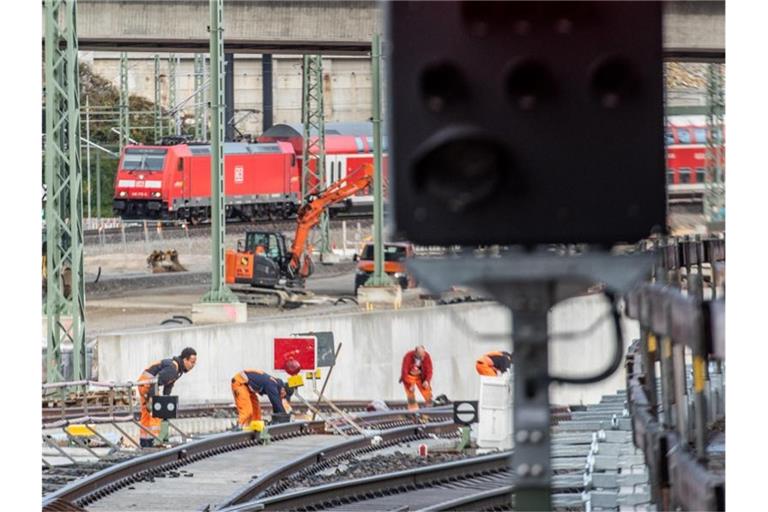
(231, 459)
(138, 233)
(480, 482)
(52, 414)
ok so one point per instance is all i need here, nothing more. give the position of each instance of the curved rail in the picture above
(337, 493)
(324, 457)
(107, 481)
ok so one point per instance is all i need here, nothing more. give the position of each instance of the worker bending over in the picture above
(417, 372)
(247, 385)
(167, 372)
(494, 363)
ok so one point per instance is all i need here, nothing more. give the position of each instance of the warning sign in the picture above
(239, 174)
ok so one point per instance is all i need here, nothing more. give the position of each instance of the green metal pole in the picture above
(77, 293)
(89, 185)
(125, 122)
(64, 194)
(98, 188)
(313, 120)
(379, 277)
(219, 291)
(53, 132)
(714, 196)
(173, 127)
(157, 113)
(200, 99)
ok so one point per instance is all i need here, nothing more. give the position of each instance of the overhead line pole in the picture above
(64, 308)
(219, 292)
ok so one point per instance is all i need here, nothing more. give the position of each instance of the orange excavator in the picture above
(272, 275)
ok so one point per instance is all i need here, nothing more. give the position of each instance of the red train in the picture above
(261, 180)
(687, 158)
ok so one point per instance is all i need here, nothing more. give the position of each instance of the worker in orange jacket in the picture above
(247, 385)
(416, 372)
(494, 363)
(167, 372)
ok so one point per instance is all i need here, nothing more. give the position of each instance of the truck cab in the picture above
(395, 256)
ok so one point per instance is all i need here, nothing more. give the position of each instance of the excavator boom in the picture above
(309, 214)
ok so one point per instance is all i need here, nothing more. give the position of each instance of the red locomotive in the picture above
(261, 180)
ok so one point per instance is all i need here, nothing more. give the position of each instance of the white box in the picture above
(495, 425)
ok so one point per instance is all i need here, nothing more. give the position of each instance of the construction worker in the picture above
(167, 372)
(417, 372)
(247, 385)
(494, 363)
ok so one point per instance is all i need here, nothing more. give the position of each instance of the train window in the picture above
(670, 177)
(685, 175)
(180, 166)
(669, 138)
(701, 175)
(140, 159)
(683, 136)
(700, 135)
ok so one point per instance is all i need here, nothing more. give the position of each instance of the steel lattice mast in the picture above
(125, 108)
(219, 292)
(313, 120)
(158, 115)
(714, 196)
(65, 309)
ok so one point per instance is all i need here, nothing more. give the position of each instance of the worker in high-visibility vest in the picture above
(493, 363)
(416, 372)
(167, 371)
(247, 385)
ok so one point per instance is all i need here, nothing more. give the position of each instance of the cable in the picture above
(617, 356)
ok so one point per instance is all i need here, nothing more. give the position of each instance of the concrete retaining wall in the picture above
(374, 343)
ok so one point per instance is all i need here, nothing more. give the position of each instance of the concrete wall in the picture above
(347, 85)
(691, 25)
(374, 343)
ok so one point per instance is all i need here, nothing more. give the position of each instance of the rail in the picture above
(349, 490)
(675, 373)
(324, 457)
(102, 483)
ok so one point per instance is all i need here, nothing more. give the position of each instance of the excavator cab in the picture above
(267, 243)
(261, 261)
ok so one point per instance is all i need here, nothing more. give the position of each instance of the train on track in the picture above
(262, 180)
(687, 159)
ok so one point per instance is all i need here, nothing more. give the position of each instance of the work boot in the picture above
(146, 443)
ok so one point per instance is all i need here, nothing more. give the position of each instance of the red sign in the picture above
(304, 350)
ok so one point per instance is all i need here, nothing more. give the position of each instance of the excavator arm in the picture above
(309, 214)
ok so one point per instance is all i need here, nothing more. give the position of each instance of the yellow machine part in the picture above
(79, 430)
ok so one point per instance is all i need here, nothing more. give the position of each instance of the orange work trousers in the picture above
(484, 366)
(410, 383)
(246, 401)
(146, 420)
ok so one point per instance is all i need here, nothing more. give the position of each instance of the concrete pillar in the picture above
(266, 95)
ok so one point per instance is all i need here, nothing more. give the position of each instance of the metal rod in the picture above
(47, 440)
(125, 435)
(327, 378)
(88, 150)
